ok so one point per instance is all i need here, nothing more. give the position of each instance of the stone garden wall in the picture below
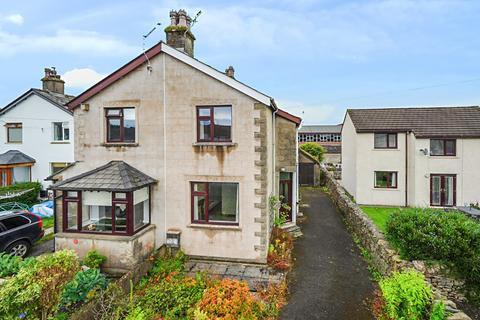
(384, 258)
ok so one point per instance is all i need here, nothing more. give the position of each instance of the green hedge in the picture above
(29, 198)
(450, 238)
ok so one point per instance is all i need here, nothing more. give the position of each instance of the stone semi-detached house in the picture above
(169, 145)
(412, 156)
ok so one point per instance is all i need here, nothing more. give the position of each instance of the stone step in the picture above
(294, 230)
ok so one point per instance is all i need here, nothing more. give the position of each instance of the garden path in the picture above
(330, 279)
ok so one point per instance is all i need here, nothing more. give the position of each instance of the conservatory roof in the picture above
(114, 176)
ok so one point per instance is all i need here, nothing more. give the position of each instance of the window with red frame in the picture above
(215, 202)
(443, 147)
(120, 124)
(214, 124)
(385, 179)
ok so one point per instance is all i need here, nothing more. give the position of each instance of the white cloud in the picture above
(14, 18)
(81, 78)
(68, 41)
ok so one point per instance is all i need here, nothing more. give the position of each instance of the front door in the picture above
(286, 194)
(443, 190)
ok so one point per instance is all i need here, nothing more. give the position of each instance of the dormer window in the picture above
(385, 141)
(120, 125)
(214, 124)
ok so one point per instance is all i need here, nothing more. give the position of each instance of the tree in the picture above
(314, 150)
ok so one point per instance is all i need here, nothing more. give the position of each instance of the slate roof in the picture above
(15, 157)
(57, 99)
(114, 176)
(423, 122)
(335, 128)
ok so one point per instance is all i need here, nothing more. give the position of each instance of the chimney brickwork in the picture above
(178, 32)
(52, 81)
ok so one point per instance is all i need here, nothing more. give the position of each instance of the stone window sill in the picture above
(220, 144)
(386, 149)
(386, 189)
(119, 144)
(214, 227)
(60, 142)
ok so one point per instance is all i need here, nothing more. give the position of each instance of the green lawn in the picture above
(47, 223)
(379, 215)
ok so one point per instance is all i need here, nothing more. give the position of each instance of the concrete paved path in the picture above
(330, 280)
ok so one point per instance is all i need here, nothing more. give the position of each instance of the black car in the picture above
(19, 230)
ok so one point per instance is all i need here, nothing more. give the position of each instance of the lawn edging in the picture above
(384, 258)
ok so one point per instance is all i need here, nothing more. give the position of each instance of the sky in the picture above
(316, 58)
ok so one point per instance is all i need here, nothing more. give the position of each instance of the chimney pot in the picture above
(178, 33)
(53, 82)
(230, 72)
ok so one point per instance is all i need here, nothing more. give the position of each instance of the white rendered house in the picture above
(37, 135)
(412, 156)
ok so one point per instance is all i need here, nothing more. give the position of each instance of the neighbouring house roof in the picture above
(57, 99)
(12, 157)
(114, 176)
(333, 149)
(319, 128)
(423, 122)
(288, 116)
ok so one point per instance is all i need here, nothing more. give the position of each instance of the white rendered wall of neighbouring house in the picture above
(37, 116)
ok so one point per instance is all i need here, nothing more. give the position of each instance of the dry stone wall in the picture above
(384, 258)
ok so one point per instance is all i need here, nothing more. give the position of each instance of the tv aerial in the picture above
(144, 37)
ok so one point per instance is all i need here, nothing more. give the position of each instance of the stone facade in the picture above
(384, 258)
(286, 145)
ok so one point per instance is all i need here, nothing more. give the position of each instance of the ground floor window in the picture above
(16, 174)
(214, 202)
(106, 212)
(385, 179)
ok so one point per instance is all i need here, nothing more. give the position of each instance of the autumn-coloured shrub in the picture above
(274, 298)
(280, 250)
(229, 300)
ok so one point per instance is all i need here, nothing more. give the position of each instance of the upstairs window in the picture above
(120, 125)
(61, 131)
(443, 147)
(385, 141)
(214, 124)
(14, 132)
(385, 179)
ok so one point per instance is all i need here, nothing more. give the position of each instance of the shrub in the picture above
(406, 295)
(112, 304)
(448, 237)
(29, 198)
(82, 288)
(35, 290)
(93, 259)
(438, 311)
(9, 264)
(274, 298)
(229, 300)
(280, 249)
(314, 149)
(172, 298)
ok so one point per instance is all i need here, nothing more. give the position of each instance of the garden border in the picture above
(384, 258)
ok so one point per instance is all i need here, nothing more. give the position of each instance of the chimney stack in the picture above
(178, 32)
(52, 82)
(230, 72)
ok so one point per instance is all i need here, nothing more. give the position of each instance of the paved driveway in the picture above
(330, 279)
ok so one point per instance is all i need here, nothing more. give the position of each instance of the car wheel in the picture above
(19, 248)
